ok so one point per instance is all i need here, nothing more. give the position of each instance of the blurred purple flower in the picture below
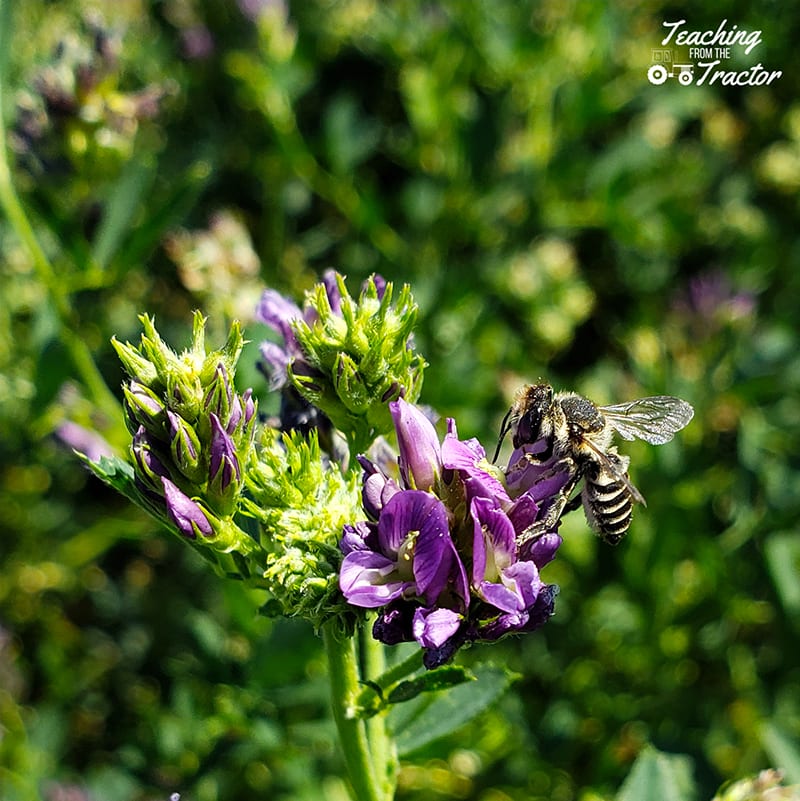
(197, 42)
(440, 556)
(89, 443)
(709, 302)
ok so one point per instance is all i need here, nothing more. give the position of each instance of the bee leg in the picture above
(572, 504)
(557, 509)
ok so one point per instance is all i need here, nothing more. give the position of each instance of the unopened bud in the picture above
(224, 472)
(143, 407)
(187, 515)
(149, 467)
(185, 447)
(136, 365)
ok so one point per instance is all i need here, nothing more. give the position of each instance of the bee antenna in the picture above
(505, 427)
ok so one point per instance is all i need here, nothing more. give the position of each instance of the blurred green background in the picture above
(557, 216)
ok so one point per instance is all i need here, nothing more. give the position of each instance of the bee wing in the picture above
(655, 419)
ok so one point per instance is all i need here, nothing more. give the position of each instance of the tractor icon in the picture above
(663, 67)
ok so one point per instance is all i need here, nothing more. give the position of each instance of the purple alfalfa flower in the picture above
(278, 312)
(184, 445)
(496, 531)
(524, 490)
(408, 553)
(150, 467)
(377, 488)
(185, 513)
(499, 578)
(420, 457)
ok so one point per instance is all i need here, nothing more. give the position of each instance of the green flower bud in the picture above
(136, 366)
(301, 503)
(356, 356)
(225, 474)
(185, 447)
(184, 394)
(227, 356)
(143, 408)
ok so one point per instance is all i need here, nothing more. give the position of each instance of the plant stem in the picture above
(15, 213)
(384, 758)
(343, 676)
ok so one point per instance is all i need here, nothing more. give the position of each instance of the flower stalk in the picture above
(353, 739)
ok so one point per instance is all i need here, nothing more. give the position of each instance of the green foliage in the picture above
(556, 215)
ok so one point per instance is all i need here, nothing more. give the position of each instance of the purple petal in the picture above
(523, 579)
(540, 480)
(361, 536)
(277, 312)
(370, 579)
(410, 512)
(393, 624)
(543, 609)
(90, 444)
(433, 627)
(494, 548)
(541, 550)
(469, 458)
(420, 453)
(184, 512)
(377, 489)
(501, 596)
(277, 360)
(332, 291)
(380, 285)
(223, 463)
(523, 513)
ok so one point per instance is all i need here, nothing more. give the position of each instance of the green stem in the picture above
(15, 213)
(384, 757)
(343, 675)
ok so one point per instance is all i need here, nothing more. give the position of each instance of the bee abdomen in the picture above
(608, 506)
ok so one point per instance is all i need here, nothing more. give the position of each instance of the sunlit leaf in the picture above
(429, 717)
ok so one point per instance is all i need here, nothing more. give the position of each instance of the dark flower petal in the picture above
(361, 536)
(393, 624)
(184, 512)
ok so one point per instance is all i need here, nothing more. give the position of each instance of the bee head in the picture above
(534, 407)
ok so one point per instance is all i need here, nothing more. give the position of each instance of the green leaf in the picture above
(434, 680)
(430, 717)
(782, 750)
(656, 776)
(121, 209)
(115, 472)
(783, 561)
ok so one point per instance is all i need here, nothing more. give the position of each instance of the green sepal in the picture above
(136, 366)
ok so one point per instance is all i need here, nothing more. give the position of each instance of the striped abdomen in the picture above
(607, 503)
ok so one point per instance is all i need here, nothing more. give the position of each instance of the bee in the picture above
(577, 434)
